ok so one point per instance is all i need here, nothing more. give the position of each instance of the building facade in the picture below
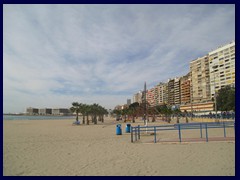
(150, 96)
(177, 91)
(222, 67)
(185, 89)
(137, 97)
(170, 92)
(163, 98)
(45, 111)
(128, 102)
(200, 80)
(60, 111)
(32, 111)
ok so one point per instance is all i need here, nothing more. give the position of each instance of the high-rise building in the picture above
(138, 97)
(177, 91)
(163, 98)
(150, 96)
(170, 92)
(185, 89)
(222, 67)
(128, 102)
(200, 89)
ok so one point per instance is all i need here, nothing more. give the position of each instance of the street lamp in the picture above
(191, 101)
(215, 95)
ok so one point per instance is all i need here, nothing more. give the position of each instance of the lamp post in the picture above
(215, 96)
(191, 99)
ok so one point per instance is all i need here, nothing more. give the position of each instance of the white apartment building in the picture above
(137, 97)
(162, 93)
(200, 83)
(222, 67)
(177, 91)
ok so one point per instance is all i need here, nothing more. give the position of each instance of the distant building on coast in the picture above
(60, 111)
(45, 111)
(32, 111)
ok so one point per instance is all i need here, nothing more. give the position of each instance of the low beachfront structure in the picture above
(32, 111)
(60, 111)
(45, 111)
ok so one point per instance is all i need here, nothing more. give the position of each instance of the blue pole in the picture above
(135, 133)
(155, 140)
(138, 131)
(179, 133)
(131, 134)
(206, 132)
(224, 129)
(201, 129)
(234, 128)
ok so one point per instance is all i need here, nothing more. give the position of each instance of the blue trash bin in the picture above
(118, 129)
(128, 128)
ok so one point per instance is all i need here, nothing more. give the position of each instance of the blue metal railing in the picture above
(135, 131)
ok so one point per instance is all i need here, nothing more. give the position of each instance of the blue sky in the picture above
(56, 54)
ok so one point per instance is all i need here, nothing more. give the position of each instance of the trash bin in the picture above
(118, 129)
(128, 128)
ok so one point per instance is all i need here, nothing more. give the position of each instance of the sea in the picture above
(22, 117)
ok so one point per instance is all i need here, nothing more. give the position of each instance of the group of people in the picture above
(223, 115)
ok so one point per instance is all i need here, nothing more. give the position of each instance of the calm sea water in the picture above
(12, 117)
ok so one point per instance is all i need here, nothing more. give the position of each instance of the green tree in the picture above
(133, 110)
(226, 99)
(76, 107)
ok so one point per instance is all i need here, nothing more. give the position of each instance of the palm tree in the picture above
(84, 109)
(133, 109)
(124, 113)
(177, 112)
(75, 108)
(87, 111)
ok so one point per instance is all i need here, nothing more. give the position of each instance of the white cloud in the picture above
(57, 54)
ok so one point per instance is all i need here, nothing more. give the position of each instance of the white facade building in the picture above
(222, 67)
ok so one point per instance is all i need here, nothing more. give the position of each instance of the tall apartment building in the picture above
(185, 89)
(177, 91)
(156, 95)
(222, 67)
(138, 97)
(162, 93)
(170, 92)
(128, 102)
(200, 80)
(150, 96)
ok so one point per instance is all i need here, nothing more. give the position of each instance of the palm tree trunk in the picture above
(83, 118)
(186, 119)
(87, 120)
(133, 119)
(77, 117)
(153, 118)
(177, 119)
(95, 119)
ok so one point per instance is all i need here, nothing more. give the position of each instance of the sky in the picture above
(54, 55)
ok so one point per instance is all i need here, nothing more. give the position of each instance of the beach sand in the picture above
(57, 148)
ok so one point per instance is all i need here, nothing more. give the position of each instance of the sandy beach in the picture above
(57, 148)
